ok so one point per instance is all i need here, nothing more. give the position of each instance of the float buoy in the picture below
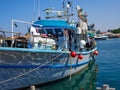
(73, 54)
(95, 52)
(80, 56)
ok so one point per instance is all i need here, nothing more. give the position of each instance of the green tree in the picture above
(116, 31)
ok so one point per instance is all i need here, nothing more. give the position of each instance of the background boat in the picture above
(101, 37)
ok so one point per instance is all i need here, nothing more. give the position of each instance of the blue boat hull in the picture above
(25, 67)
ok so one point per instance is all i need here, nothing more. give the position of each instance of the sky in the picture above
(105, 14)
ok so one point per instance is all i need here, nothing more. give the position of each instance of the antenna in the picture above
(66, 13)
(39, 10)
(34, 11)
(47, 10)
(64, 7)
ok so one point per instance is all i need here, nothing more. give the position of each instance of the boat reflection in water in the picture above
(83, 80)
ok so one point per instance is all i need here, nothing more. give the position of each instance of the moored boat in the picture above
(49, 51)
(101, 37)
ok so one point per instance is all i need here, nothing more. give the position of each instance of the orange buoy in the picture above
(95, 52)
(73, 54)
(80, 56)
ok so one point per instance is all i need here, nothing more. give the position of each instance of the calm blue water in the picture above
(84, 80)
(108, 62)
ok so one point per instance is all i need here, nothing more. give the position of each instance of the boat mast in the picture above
(39, 10)
(66, 9)
(34, 11)
(66, 13)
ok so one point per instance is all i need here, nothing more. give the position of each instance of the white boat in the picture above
(101, 37)
(51, 50)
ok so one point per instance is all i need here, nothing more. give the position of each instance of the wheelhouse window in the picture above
(49, 31)
(58, 31)
(41, 31)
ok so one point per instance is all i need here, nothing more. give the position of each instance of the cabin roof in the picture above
(53, 23)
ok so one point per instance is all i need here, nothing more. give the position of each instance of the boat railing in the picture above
(19, 40)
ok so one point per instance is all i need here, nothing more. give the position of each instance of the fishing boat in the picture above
(52, 49)
(101, 37)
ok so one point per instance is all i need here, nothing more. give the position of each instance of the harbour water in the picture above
(108, 62)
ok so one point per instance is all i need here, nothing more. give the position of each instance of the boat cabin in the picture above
(48, 35)
(51, 34)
